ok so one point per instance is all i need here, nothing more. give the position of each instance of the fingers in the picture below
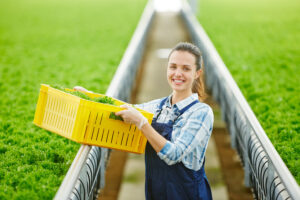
(127, 120)
(124, 115)
(122, 112)
(79, 88)
(125, 106)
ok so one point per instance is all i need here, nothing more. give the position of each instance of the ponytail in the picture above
(199, 87)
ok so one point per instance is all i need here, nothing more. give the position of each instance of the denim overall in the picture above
(172, 182)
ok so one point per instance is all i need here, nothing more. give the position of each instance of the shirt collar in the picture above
(183, 103)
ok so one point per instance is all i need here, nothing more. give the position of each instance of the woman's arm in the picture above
(193, 135)
(156, 140)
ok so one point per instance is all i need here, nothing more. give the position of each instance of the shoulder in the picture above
(200, 111)
(197, 119)
(203, 107)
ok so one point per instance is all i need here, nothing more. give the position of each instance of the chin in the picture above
(177, 89)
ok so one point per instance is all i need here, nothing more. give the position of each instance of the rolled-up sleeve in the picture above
(193, 137)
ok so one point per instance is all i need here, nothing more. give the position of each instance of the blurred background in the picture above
(81, 42)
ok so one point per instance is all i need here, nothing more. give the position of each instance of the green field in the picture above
(78, 42)
(259, 41)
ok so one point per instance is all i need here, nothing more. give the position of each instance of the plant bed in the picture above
(78, 42)
(259, 43)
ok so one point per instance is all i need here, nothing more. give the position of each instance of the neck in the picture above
(176, 97)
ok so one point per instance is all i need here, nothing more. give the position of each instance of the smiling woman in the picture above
(56, 42)
(179, 133)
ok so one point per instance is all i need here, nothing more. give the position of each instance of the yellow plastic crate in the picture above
(87, 122)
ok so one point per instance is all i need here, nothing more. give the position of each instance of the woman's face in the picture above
(181, 71)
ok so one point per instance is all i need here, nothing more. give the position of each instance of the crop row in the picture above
(78, 42)
(259, 43)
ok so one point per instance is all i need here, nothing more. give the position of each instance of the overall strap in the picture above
(162, 102)
(185, 109)
(159, 109)
(180, 111)
(188, 106)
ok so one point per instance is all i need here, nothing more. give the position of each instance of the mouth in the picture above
(178, 81)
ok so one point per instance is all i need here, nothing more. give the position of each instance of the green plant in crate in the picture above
(104, 99)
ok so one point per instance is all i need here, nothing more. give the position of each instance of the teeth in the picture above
(178, 81)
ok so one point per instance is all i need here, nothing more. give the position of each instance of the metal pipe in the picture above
(72, 175)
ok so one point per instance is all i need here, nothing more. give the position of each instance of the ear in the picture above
(198, 73)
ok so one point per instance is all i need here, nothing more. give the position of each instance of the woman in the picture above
(179, 133)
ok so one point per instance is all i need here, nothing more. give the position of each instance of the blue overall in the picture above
(172, 182)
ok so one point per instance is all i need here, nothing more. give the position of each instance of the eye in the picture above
(185, 68)
(172, 66)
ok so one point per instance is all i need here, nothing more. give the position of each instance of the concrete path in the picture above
(166, 32)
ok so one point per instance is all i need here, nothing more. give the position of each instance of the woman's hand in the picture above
(79, 88)
(132, 116)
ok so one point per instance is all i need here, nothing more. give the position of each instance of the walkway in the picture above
(166, 32)
(125, 179)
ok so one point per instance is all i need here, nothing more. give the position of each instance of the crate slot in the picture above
(86, 130)
(97, 134)
(87, 126)
(130, 127)
(101, 119)
(92, 133)
(103, 136)
(111, 138)
(121, 141)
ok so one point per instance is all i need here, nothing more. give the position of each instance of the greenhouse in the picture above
(57, 143)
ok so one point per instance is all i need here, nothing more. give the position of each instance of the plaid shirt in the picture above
(191, 131)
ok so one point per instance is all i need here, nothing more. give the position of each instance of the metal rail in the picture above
(87, 172)
(264, 169)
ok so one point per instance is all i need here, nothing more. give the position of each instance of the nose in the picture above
(178, 73)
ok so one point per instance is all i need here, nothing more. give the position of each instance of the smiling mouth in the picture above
(178, 81)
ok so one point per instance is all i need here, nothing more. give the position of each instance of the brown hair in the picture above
(198, 85)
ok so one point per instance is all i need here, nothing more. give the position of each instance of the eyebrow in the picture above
(182, 65)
